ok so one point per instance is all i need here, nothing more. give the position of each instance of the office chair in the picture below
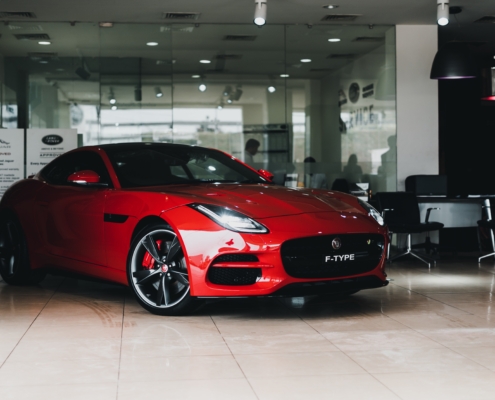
(400, 211)
(490, 225)
(341, 185)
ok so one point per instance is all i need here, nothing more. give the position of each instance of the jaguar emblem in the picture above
(336, 243)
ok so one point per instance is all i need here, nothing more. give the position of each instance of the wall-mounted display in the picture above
(43, 145)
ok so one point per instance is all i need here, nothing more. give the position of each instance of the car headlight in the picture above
(230, 219)
(372, 212)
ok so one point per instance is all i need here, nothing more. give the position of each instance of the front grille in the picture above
(233, 276)
(309, 257)
(236, 258)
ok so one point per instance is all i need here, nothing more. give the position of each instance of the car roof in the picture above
(134, 145)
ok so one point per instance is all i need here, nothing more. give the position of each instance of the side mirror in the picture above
(85, 178)
(265, 174)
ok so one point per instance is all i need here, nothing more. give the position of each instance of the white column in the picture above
(417, 102)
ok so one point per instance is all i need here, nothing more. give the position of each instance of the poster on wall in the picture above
(43, 145)
(11, 157)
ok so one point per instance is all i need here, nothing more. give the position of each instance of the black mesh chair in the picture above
(401, 213)
(490, 225)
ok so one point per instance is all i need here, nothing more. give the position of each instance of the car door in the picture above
(70, 216)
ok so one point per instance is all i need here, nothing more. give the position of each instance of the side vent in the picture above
(32, 36)
(340, 17)
(369, 39)
(489, 19)
(14, 14)
(181, 16)
(240, 38)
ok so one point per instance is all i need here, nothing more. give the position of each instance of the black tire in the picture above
(161, 287)
(15, 268)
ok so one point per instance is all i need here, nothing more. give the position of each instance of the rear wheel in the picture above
(157, 272)
(14, 258)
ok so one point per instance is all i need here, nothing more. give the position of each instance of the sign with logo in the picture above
(43, 145)
(11, 157)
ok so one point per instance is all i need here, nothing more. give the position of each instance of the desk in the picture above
(456, 212)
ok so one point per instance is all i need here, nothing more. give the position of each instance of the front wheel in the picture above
(157, 272)
(14, 258)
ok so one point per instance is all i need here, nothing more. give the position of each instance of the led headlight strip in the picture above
(230, 219)
(372, 212)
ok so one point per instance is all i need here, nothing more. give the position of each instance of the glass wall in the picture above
(324, 95)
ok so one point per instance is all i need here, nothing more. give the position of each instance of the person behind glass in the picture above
(250, 150)
(352, 171)
(314, 180)
(389, 158)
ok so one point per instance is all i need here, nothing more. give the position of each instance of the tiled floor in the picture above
(428, 335)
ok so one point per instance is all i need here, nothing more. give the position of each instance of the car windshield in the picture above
(155, 165)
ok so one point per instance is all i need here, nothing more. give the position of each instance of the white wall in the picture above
(417, 102)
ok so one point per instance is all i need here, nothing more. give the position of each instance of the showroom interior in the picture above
(341, 91)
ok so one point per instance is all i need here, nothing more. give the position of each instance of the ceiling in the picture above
(415, 12)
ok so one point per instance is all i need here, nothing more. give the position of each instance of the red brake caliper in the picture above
(148, 261)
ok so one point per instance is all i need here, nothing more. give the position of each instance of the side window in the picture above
(59, 170)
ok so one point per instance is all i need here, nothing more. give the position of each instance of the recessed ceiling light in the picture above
(284, 75)
(152, 44)
(305, 60)
(334, 40)
(205, 61)
(112, 101)
(45, 43)
(105, 24)
(195, 76)
(271, 89)
(331, 6)
(114, 108)
(202, 87)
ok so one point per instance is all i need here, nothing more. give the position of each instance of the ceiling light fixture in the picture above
(306, 60)
(260, 12)
(105, 24)
(284, 75)
(272, 89)
(158, 92)
(195, 76)
(152, 44)
(442, 12)
(45, 43)
(227, 90)
(205, 61)
(202, 87)
(331, 6)
(454, 60)
(334, 40)
(114, 108)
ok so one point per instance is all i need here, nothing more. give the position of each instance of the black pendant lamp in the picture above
(454, 60)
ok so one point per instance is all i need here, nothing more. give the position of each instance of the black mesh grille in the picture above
(233, 276)
(315, 257)
(236, 258)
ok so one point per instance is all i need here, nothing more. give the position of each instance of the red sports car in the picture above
(178, 223)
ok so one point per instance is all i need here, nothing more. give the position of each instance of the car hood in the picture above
(261, 201)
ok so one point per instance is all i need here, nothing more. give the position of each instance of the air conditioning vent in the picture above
(42, 54)
(369, 39)
(337, 56)
(228, 56)
(240, 38)
(340, 17)
(14, 14)
(181, 16)
(32, 36)
(489, 19)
